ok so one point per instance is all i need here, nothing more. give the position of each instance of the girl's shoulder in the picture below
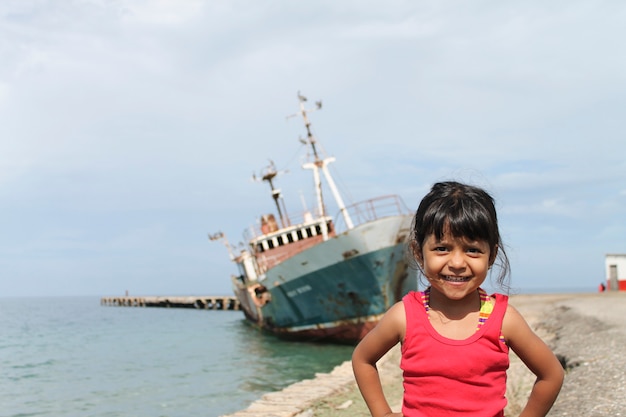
(514, 325)
(396, 314)
(393, 323)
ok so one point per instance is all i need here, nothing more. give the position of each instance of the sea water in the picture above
(74, 357)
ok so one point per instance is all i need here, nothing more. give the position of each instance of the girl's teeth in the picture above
(455, 279)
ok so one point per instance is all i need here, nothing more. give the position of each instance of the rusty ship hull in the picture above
(335, 291)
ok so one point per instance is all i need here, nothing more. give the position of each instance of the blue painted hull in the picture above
(324, 294)
(350, 293)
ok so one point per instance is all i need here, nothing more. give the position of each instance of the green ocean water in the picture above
(74, 357)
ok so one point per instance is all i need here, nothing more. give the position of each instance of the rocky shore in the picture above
(586, 331)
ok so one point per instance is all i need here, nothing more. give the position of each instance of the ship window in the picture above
(290, 238)
(299, 233)
(280, 240)
(309, 232)
(318, 229)
(270, 243)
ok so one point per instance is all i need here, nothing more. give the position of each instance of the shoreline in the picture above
(587, 331)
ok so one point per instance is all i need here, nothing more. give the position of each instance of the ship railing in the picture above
(254, 231)
(372, 209)
(361, 212)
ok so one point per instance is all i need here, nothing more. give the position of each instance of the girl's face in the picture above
(456, 267)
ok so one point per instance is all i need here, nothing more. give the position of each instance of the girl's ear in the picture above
(493, 255)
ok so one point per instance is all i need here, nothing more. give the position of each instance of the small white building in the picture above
(616, 272)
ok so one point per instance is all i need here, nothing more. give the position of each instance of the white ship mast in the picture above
(321, 164)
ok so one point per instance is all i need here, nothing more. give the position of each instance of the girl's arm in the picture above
(538, 358)
(387, 333)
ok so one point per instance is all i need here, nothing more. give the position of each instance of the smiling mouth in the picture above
(451, 278)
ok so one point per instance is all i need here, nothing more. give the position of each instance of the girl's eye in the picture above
(441, 249)
(474, 251)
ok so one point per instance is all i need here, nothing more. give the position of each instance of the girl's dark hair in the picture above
(464, 211)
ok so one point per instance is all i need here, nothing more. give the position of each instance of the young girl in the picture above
(455, 338)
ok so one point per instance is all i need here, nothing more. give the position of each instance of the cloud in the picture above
(127, 124)
(162, 12)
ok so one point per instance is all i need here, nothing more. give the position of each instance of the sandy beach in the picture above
(586, 331)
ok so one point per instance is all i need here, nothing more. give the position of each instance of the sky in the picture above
(131, 129)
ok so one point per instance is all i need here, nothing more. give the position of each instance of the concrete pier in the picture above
(198, 302)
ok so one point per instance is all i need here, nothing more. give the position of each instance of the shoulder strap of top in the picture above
(414, 311)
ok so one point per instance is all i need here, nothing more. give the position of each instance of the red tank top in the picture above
(446, 377)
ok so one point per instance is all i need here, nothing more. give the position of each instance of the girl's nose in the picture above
(457, 259)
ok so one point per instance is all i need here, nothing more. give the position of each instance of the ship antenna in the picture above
(320, 164)
(268, 175)
(310, 139)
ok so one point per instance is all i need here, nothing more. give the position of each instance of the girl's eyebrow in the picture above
(477, 243)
